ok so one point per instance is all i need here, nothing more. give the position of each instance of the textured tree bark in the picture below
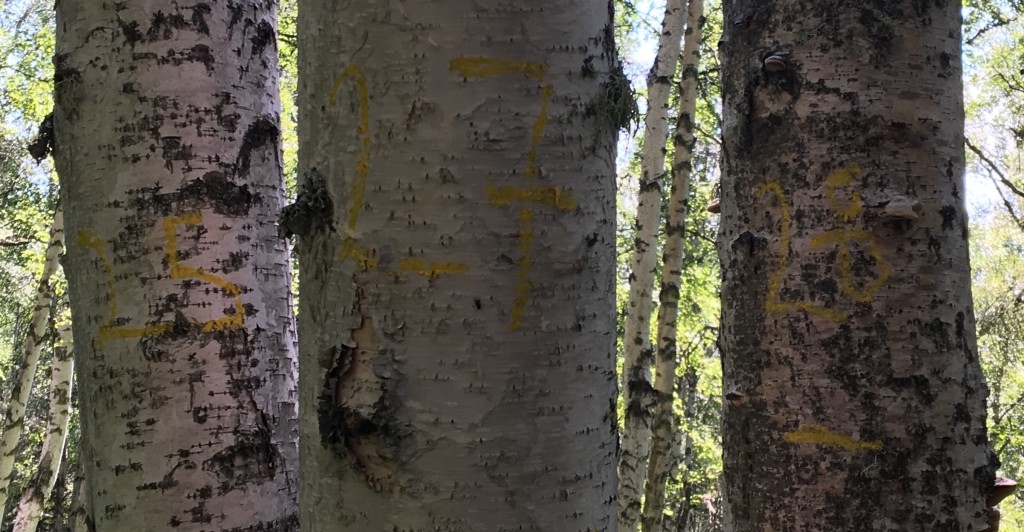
(637, 394)
(456, 242)
(663, 424)
(854, 399)
(14, 417)
(167, 145)
(40, 485)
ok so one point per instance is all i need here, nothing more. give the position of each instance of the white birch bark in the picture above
(168, 148)
(40, 485)
(456, 244)
(637, 393)
(663, 424)
(14, 417)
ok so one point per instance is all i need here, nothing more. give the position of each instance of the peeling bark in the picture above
(663, 419)
(456, 241)
(167, 144)
(14, 417)
(854, 396)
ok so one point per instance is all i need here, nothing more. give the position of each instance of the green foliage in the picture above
(998, 281)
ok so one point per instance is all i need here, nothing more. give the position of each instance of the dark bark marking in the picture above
(131, 32)
(223, 196)
(237, 11)
(265, 36)
(162, 26)
(201, 53)
(199, 13)
(949, 215)
(285, 524)
(262, 133)
(43, 143)
(253, 458)
(171, 149)
(313, 210)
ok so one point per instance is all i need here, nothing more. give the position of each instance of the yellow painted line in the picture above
(820, 435)
(841, 239)
(538, 131)
(432, 269)
(357, 192)
(558, 198)
(183, 271)
(841, 177)
(487, 67)
(774, 303)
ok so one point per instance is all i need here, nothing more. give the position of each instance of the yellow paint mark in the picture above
(538, 131)
(524, 286)
(841, 239)
(432, 269)
(558, 198)
(775, 304)
(818, 434)
(357, 192)
(99, 246)
(184, 271)
(842, 177)
(110, 330)
(486, 67)
(365, 258)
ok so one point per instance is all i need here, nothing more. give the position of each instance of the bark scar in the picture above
(356, 406)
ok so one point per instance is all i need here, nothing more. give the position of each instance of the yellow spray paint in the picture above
(821, 435)
(485, 67)
(184, 271)
(357, 192)
(365, 258)
(846, 210)
(775, 303)
(548, 196)
(111, 331)
(431, 269)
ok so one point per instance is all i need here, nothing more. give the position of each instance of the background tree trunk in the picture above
(167, 144)
(40, 485)
(663, 423)
(854, 397)
(638, 396)
(456, 224)
(14, 417)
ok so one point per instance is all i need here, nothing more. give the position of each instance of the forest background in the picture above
(994, 91)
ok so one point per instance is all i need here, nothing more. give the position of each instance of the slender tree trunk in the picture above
(660, 462)
(637, 394)
(78, 516)
(688, 393)
(854, 396)
(40, 485)
(14, 417)
(167, 144)
(457, 261)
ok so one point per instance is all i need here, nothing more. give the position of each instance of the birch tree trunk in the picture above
(39, 487)
(854, 396)
(456, 242)
(637, 393)
(167, 144)
(663, 420)
(14, 417)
